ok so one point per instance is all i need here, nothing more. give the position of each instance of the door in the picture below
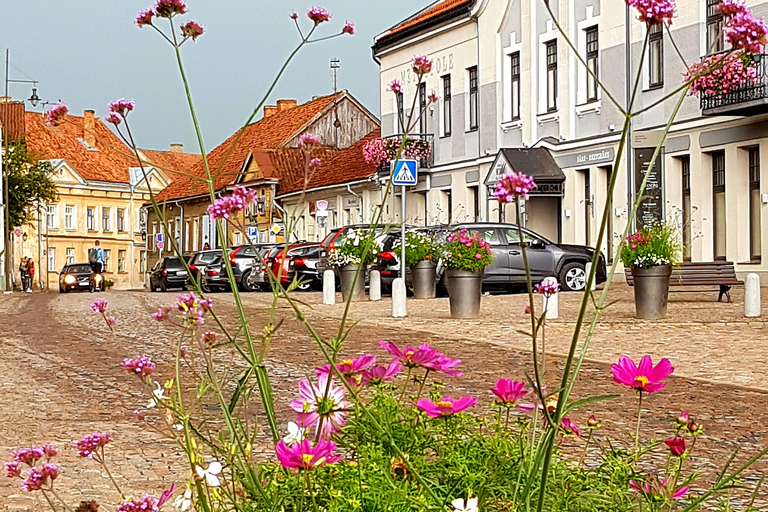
(497, 273)
(587, 209)
(540, 258)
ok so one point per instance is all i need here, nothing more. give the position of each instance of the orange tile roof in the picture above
(12, 120)
(430, 12)
(170, 161)
(110, 163)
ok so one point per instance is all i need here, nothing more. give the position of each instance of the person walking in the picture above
(96, 260)
(30, 273)
(24, 271)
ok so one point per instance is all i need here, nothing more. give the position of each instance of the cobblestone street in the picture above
(61, 375)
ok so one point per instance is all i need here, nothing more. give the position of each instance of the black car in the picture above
(215, 276)
(169, 272)
(302, 263)
(199, 260)
(77, 276)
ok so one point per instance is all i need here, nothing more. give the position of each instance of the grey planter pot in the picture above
(465, 290)
(347, 278)
(651, 291)
(424, 280)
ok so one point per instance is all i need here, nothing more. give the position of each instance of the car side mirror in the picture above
(537, 244)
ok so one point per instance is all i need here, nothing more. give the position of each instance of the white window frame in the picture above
(507, 82)
(541, 103)
(121, 256)
(51, 259)
(581, 72)
(106, 226)
(123, 228)
(52, 216)
(70, 255)
(107, 253)
(70, 217)
(90, 220)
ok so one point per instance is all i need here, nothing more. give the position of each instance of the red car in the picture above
(285, 263)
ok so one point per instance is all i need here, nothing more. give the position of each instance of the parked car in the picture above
(198, 262)
(246, 263)
(215, 276)
(167, 273)
(300, 260)
(77, 276)
(336, 236)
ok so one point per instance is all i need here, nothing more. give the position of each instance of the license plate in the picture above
(181, 273)
(311, 264)
(83, 281)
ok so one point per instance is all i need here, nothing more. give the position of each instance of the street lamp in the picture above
(34, 99)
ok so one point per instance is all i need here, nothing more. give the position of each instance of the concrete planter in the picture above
(424, 280)
(465, 290)
(651, 291)
(347, 278)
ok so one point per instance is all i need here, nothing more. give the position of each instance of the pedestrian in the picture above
(206, 246)
(24, 271)
(96, 257)
(30, 273)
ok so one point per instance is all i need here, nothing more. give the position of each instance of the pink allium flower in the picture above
(446, 406)
(206, 304)
(145, 17)
(527, 309)
(444, 365)
(745, 32)
(315, 162)
(318, 15)
(548, 287)
(161, 314)
(56, 115)
(294, 16)
(721, 74)
(99, 306)
(305, 456)
(12, 469)
(145, 503)
(676, 445)
(307, 140)
(240, 199)
(643, 377)
(326, 412)
(731, 7)
(28, 456)
(433, 98)
(209, 337)
(349, 28)
(113, 118)
(170, 8)
(192, 29)
(657, 489)
(421, 65)
(410, 356)
(512, 185)
(91, 443)
(122, 106)
(36, 476)
(508, 391)
(569, 427)
(379, 374)
(140, 365)
(654, 11)
(111, 321)
(683, 419)
(395, 86)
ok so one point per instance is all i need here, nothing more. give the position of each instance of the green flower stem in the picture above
(405, 385)
(506, 420)
(421, 385)
(586, 447)
(637, 430)
(311, 489)
(58, 497)
(102, 460)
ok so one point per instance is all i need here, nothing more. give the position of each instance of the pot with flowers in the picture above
(357, 248)
(465, 257)
(650, 254)
(419, 257)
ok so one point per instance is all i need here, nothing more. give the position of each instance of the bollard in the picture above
(329, 287)
(752, 296)
(399, 306)
(587, 269)
(374, 290)
(553, 306)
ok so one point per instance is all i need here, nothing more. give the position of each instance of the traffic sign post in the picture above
(405, 174)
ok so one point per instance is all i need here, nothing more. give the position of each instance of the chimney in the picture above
(177, 148)
(5, 99)
(283, 105)
(269, 111)
(89, 127)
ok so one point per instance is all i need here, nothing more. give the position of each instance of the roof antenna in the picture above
(335, 66)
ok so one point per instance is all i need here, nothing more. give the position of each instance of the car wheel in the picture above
(573, 277)
(248, 286)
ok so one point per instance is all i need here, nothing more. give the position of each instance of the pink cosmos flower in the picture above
(170, 8)
(349, 28)
(569, 427)
(305, 456)
(445, 365)
(307, 140)
(653, 11)
(318, 15)
(446, 406)
(325, 412)
(379, 374)
(113, 118)
(56, 115)
(410, 356)
(145, 17)
(512, 185)
(140, 365)
(122, 106)
(676, 445)
(396, 86)
(91, 443)
(548, 287)
(99, 306)
(349, 367)
(421, 65)
(657, 489)
(192, 29)
(643, 377)
(508, 391)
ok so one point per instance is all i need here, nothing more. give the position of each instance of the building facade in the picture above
(507, 79)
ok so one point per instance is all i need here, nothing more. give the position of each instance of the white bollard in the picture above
(587, 269)
(752, 296)
(374, 286)
(553, 306)
(399, 306)
(329, 287)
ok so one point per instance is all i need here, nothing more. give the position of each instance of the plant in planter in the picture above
(419, 256)
(357, 248)
(466, 256)
(650, 254)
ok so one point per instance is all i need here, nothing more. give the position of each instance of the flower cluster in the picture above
(99, 305)
(653, 11)
(170, 8)
(348, 28)
(548, 287)
(418, 247)
(651, 246)
(55, 116)
(380, 374)
(356, 247)
(140, 365)
(421, 65)
(351, 369)
(382, 151)
(513, 185)
(721, 74)
(741, 29)
(192, 29)
(307, 140)
(192, 308)
(321, 405)
(37, 476)
(464, 251)
(146, 503)
(319, 15)
(240, 199)
(303, 455)
(424, 357)
(396, 86)
(338, 260)
(144, 17)
(90, 444)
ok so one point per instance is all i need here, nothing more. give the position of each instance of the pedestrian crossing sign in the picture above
(406, 173)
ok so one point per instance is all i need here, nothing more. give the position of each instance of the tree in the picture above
(30, 183)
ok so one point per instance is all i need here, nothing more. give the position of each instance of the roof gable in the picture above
(436, 13)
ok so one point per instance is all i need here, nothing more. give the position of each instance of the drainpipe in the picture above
(362, 216)
(628, 98)
(40, 249)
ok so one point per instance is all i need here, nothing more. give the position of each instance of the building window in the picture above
(755, 240)
(687, 209)
(718, 205)
(715, 40)
(400, 112)
(50, 216)
(90, 218)
(551, 76)
(656, 55)
(447, 106)
(592, 50)
(105, 218)
(422, 108)
(121, 219)
(107, 253)
(70, 255)
(51, 259)
(515, 85)
(69, 217)
(121, 261)
(472, 97)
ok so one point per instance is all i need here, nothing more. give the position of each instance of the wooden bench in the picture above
(721, 274)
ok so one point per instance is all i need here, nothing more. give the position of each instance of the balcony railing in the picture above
(749, 99)
(417, 141)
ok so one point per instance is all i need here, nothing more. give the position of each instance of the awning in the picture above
(536, 162)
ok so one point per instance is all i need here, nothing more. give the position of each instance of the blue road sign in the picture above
(406, 173)
(253, 231)
(160, 238)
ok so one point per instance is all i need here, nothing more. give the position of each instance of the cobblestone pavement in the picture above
(61, 376)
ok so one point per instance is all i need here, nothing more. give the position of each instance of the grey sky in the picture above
(89, 52)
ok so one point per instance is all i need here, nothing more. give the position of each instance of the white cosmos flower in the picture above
(295, 434)
(157, 395)
(459, 506)
(184, 501)
(210, 474)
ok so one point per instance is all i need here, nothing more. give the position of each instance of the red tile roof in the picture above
(430, 12)
(12, 120)
(109, 163)
(170, 161)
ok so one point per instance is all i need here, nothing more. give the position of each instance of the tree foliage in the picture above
(30, 182)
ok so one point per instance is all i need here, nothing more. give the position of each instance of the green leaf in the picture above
(578, 404)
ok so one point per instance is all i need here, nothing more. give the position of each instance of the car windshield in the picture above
(78, 269)
(173, 263)
(513, 236)
(205, 257)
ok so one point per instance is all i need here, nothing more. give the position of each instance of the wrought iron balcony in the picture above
(417, 144)
(748, 100)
